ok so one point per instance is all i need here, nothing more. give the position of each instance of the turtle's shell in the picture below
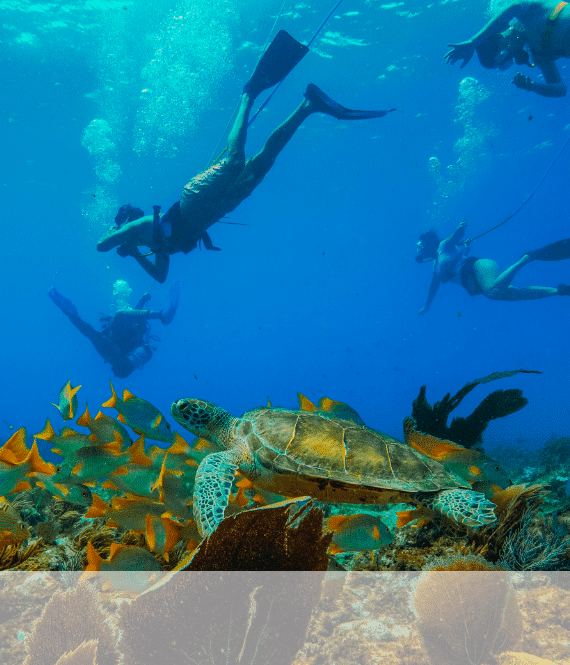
(336, 458)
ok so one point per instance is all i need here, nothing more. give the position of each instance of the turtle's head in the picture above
(203, 419)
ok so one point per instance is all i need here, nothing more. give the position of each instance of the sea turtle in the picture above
(327, 453)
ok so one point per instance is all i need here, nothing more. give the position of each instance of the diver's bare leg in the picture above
(279, 138)
(238, 133)
(500, 287)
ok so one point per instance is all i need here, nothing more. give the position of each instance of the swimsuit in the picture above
(457, 267)
(207, 198)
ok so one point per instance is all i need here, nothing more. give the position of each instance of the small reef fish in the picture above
(12, 530)
(72, 493)
(142, 417)
(90, 463)
(129, 513)
(67, 442)
(357, 533)
(477, 468)
(67, 401)
(329, 408)
(104, 429)
(17, 461)
(121, 557)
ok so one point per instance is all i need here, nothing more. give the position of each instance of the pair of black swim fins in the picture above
(281, 56)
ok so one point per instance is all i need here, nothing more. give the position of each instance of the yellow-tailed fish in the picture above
(121, 557)
(72, 493)
(90, 463)
(478, 469)
(65, 443)
(142, 417)
(357, 533)
(129, 513)
(104, 429)
(330, 409)
(17, 461)
(67, 401)
(12, 530)
(162, 533)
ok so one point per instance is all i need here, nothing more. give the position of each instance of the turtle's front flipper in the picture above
(212, 489)
(463, 506)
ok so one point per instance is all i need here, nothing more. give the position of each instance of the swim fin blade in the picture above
(279, 59)
(325, 104)
(173, 298)
(557, 251)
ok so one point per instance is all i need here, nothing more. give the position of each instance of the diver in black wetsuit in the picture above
(124, 340)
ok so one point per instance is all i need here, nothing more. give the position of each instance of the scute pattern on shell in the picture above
(313, 445)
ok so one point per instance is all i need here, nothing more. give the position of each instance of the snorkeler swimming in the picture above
(543, 27)
(481, 276)
(214, 193)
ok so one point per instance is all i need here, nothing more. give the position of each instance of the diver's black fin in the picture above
(65, 304)
(557, 251)
(279, 59)
(563, 290)
(167, 314)
(208, 244)
(325, 104)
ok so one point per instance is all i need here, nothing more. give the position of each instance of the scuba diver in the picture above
(543, 26)
(481, 276)
(124, 340)
(218, 190)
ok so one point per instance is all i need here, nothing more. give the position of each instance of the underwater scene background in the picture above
(316, 288)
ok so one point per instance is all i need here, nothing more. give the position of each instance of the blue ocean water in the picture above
(316, 288)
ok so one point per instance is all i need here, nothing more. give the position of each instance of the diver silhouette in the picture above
(124, 340)
(543, 26)
(218, 190)
(481, 276)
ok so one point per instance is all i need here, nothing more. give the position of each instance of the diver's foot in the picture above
(563, 289)
(66, 306)
(324, 104)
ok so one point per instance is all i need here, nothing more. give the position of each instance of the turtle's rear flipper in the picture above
(279, 59)
(556, 251)
(461, 505)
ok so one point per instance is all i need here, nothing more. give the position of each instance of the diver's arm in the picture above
(457, 236)
(433, 287)
(464, 50)
(157, 270)
(554, 86)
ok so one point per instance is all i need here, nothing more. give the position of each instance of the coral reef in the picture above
(465, 618)
(245, 617)
(69, 619)
(265, 539)
(467, 432)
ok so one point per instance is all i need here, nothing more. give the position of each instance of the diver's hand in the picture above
(522, 82)
(463, 51)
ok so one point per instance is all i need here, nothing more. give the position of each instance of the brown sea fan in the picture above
(465, 617)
